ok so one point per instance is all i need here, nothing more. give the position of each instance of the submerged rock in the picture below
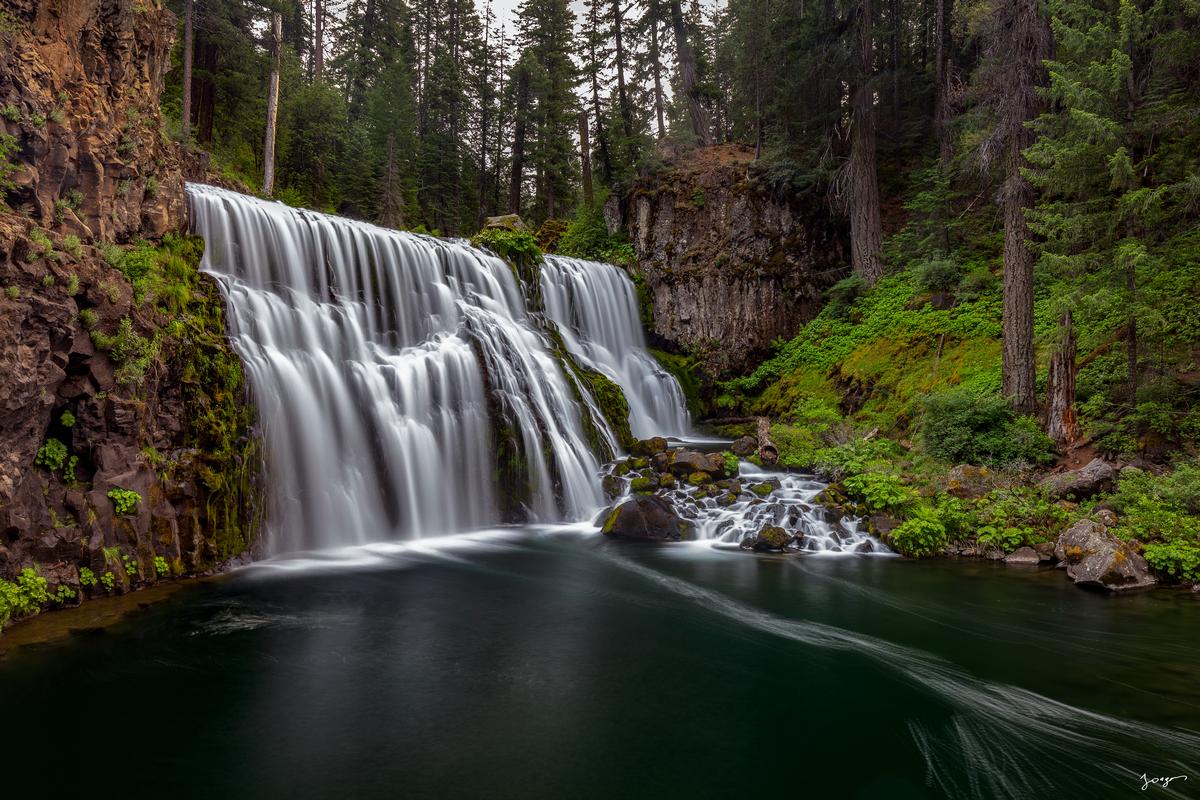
(1098, 476)
(1023, 555)
(1094, 557)
(646, 517)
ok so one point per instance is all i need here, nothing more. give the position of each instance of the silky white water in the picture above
(595, 307)
(389, 370)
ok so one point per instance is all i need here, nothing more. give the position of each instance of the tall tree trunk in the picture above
(941, 111)
(1131, 336)
(268, 187)
(866, 229)
(391, 206)
(1017, 361)
(185, 117)
(619, 56)
(518, 145)
(689, 78)
(1062, 424)
(656, 66)
(318, 39)
(206, 93)
(585, 160)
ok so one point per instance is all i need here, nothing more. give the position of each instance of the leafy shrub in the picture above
(1180, 560)
(880, 491)
(51, 455)
(124, 500)
(26, 595)
(67, 419)
(732, 463)
(549, 233)
(842, 294)
(131, 351)
(161, 567)
(975, 427)
(509, 244)
(87, 577)
(12, 292)
(938, 275)
(131, 566)
(1161, 511)
(1010, 518)
(109, 581)
(922, 534)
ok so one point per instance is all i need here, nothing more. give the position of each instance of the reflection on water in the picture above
(545, 662)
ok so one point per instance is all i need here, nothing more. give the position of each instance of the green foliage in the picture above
(88, 319)
(938, 275)
(24, 596)
(132, 352)
(67, 419)
(109, 581)
(1164, 513)
(87, 578)
(124, 500)
(51, 455)
(980, 428)
(922, 534)
(880, 491)
(130, 565)
(12, 292)
(8, 147)
(512, 245)
(586, 236)
(732, 463)
(161, 568)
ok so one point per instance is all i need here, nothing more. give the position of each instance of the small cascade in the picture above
(402, 386)
(595, 307)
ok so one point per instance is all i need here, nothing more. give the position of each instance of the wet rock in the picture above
(646, 517)
(765, 488)
(865, 546)
(699, 478)
(727, 499)
(1096, 477)
(1045, 551)
(649, 447)
(642, 484)
(666, 480)
(662, 462)
(688, 461)
(771, 539)
(1023, 555)
(967, 481)
(1093, 557)
(743, 447)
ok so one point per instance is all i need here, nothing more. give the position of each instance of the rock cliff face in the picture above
(79, 90)
(126, 445)
(728, 266)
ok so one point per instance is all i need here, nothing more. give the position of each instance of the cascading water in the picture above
(402, 386)
(595, 307)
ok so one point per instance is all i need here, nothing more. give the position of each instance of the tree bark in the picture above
(1017, 367)
(268, 186)
(518, 145)
(689, 78)
(1062, 424)
(619, 57)
(391, 211)
(656, 66)
(866, 229)
(318, 39)
(941, 111)
(1131, 335)
(767, 450)
(185, 117)
(585, 160)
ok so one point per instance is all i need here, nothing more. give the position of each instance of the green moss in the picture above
(512, 245)
(643, 485)
(699, 478)
(684, 370)
(762, 489)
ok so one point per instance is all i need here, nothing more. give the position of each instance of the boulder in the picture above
(765, 488)
(508, 222)
(649, 447)
(1023, 555)
(743, 447)
(966, 481)
(1093, 557)
(688, 461)
(662, 461)
(1088, 481)
(648, 518)
(613, 486)
(772, 538)
(643, 484)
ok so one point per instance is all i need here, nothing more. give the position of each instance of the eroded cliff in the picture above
(126, 447)
(729, 266)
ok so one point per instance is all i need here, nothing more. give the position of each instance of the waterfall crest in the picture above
(403, 388)
(595, 307)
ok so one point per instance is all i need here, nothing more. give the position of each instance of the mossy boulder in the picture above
(649, 447)
(772, 537)
(613, 486)
(666, 480)
(646, 518)
(699, 478)
(727, 499)
(639, 463)
(763, 489)
(643, 484)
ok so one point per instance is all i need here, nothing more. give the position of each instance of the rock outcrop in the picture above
(646, 517)
(79, 93)
(127, 451)
(728, 265)
(1093, 557)
(1090, 480)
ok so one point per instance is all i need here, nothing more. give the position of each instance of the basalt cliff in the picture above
(126, 447)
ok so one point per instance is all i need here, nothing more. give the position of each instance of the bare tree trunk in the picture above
(619, 57)
(866, 229)
(1131, 336)
(318, 38)
(655, 61)
(688, 77)
(185, 116)
(941, 111)
(585, 160)
(518, 145)
(268, 186)
(1062, 424)
(1017, 367)
(391, 210)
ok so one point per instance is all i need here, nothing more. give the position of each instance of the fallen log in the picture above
(767, 450)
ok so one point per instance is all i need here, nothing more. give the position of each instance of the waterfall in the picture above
(402, 386)
(595, 307)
